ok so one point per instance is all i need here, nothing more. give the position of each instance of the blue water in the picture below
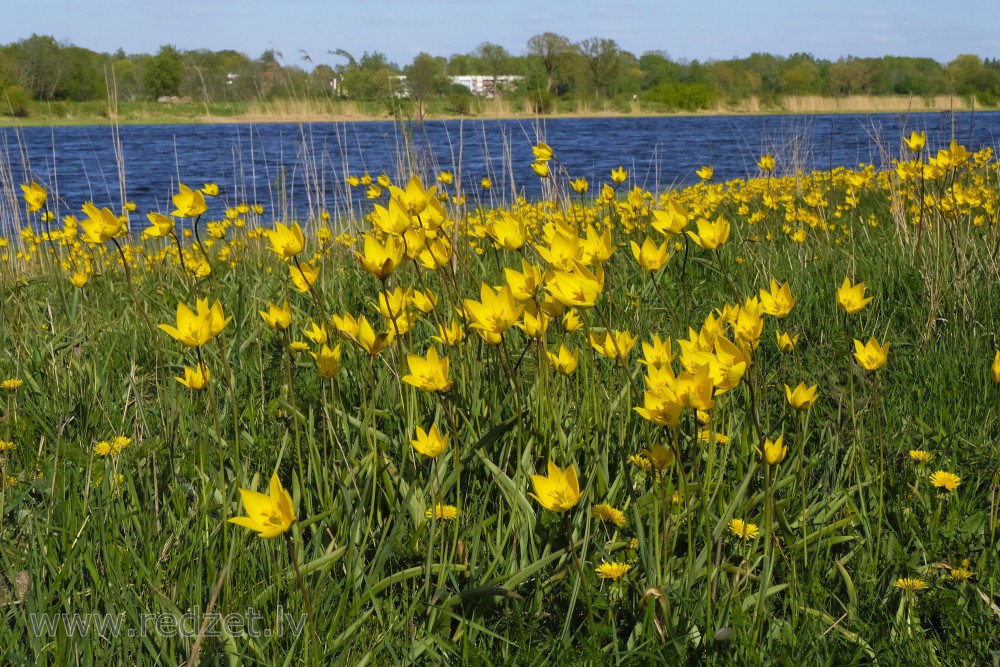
(299, 170)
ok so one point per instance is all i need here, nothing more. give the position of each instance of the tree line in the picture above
(552, 67)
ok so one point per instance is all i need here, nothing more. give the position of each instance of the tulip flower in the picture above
(428, 373)
(916, 141)
(774, 451)
(278, 318)
(431, 443)
(327, 361)
(286, 242)
(871, 355)
(777, 302)
(303, 276)
(269, 515)
(711, 235)
(195, 378)
(851, 298)
(802, 397)
(565, 362)
(190, 203)
(559, 491)
(34, 196)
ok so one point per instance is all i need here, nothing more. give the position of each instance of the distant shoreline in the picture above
(306, 111)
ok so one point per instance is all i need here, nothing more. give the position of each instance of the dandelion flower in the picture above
(612, 571)
(607, 512)
(743, 530)
(945, 480)
(11, 384)
(442, 512)
(961, 574)
(6, 445)
(920, 455)
(910, 585)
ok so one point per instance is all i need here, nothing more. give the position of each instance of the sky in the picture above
(713, 29)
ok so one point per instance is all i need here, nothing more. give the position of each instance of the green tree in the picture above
(553, 53)
(602, 58)
(164, 73)
(424, 79)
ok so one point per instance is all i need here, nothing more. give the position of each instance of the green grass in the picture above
(509, 582)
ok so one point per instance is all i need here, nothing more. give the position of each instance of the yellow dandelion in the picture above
(612, 571)
(945, 480)
(103, 448)
(641, 462)
(118, 443)
(910, 585)
(11, 384)
(743, 530)
(607, 512)
(961, 574)
(442, 512)
(920, 455)
(6, 445)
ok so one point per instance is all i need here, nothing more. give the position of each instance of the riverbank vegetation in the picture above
(750, 422)
(45, 81)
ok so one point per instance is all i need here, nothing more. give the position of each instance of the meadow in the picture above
(751, 422)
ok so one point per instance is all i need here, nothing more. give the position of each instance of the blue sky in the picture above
(719, 29)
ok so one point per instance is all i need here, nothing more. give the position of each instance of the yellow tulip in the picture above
(777, 302)
(578, 288)
(871, 355)
(34, 196)
(379, 259)
(431, 443)
(542, 151)
(711, 235)
(190, 203)
(851, 298)
(802, 397)
(428, 373)
(495, 312)
(650, 256)
(559, 491)
(786, 342)
(916, 141)
(565, 362)
(195, 378)
(540, 168)
(670, 221)
(269, 516)
(619, 175)
(278, 318)
(327, 361)
(303, 276)
(774, 451)
(286, 242)
(161, 225)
